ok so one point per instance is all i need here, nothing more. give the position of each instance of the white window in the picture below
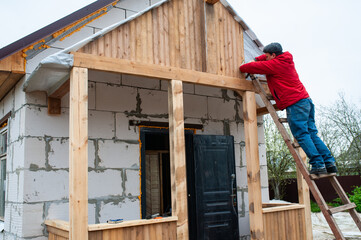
(3, 150)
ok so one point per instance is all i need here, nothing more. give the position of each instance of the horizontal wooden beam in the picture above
(263, 110)
(162, 72)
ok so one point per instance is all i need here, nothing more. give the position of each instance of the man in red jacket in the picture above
(290, 94)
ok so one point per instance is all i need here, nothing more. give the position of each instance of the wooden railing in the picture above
(154, 229)
(284, 221)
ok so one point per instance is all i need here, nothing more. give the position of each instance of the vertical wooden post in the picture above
(78, 154)
(304, 196)
(177, 158)
(253, 168)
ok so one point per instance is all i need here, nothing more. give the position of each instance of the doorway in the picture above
(211, 184)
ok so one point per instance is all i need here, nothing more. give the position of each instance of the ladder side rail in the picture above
(303, 169)
(345, 200)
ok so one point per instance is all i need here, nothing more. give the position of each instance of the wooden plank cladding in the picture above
(285, 223)
(154, 229)
(188, 34)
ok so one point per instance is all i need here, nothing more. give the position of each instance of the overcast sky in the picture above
(324, 36)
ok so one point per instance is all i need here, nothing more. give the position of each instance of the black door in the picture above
(215, 188)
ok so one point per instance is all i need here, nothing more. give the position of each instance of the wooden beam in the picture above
(162, 72)
(78, 154)
(263, 110)
(8, 81)
(304, 195)
(253, 168)
(211, 1)
(177, 157)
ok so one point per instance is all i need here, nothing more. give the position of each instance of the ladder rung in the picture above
(283, 120)
(342, 208)
(270, 97)
(314, 176)
(296, 145)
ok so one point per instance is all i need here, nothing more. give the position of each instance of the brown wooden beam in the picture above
(253, 167)
(263, 110)
(162, 72)
(78, 154)
(54, 106)
(177, 158)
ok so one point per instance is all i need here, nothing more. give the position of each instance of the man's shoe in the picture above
(318, 171)
(332, 169)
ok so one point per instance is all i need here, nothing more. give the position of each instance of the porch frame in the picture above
(78, 119)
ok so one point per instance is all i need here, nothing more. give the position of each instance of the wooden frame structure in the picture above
(260, 214)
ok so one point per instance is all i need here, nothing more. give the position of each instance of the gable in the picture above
(177, 34)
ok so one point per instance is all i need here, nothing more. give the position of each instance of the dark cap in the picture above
(273, 48)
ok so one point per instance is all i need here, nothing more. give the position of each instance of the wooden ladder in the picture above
(309, 178)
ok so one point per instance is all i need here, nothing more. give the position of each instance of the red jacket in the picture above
(282, 78)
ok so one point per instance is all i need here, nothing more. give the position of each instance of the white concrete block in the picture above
(15, 186)
(105, 183)
(123, 130)
(115, 98)
(245, 200)
(207, 91)
(31, 64)
(241, 174)
(265, 194)
(19, 94)
(38, 98)
(39, 185)
(237, 155)
(58, 156)
(16, 226)
(7, 217)
(127, 209)
(261, 137)
(75, 37)
(17, 156)
(91, 153)
(115, 15)
(39, 123)
(9, 101)
(91, 95)
(195, 106)
(220, 109)
(133, 5)
(244, 227)
(243, 154)
(32, 220)
(60, 210)
(142, 82)
(104, 77)
(132, 182)
(153, 102)
(213, 128)
(264, 176)
(118, 154)
(237, 130)
(262, 154)
(34, 153)
(101, 124)
(16, 127)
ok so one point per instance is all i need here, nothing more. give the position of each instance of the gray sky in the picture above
(324, 36)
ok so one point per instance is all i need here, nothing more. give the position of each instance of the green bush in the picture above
(355, 197)
(315, 207)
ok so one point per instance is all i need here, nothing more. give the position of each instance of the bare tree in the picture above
(340, 129)
(280, 163)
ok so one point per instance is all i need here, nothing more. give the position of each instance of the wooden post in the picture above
(304, 196)
(78, 154)
(253, 168)
(177, 158)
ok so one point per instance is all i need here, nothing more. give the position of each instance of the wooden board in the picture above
(78, 154)
(253, 167)
(177, 158)
(162, 72)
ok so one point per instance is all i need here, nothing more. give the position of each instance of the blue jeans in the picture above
(301, 119)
